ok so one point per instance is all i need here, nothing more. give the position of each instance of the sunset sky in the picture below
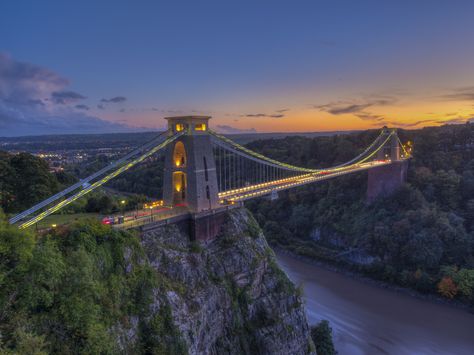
(113, 66)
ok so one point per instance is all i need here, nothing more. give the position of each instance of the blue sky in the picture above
(241, 61)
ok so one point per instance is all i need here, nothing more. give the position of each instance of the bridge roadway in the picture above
(165, 216)
(248, 192)
(144, 217)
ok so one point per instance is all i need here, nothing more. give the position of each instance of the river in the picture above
(367, 319)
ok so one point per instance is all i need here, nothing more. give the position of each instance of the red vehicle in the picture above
(108, 220)
(113, 220)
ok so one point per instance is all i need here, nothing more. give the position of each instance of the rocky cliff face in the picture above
(227, 296)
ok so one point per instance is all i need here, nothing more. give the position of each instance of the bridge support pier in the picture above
(202, 226)
(206, 227)
(385, 180)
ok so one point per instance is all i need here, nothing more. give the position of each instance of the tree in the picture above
(300, 221)
(447, 288)
(467, 181)
(105, 204)
(422, 250)
(446, 185)
(465, 281)
(469, 213)
(24, 180)
(7, 183)
(322, 338)
(16, 249)
(92, 204)
(28, 343)
(62, 293)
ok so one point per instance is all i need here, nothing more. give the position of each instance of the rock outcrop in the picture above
(227, 296)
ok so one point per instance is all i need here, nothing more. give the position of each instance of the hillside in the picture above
(87, 289)
(421, 237)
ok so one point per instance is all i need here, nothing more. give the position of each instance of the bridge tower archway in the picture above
(179, 188)
(179, 155)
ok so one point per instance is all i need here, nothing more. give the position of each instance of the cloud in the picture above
(283, 110)
(233, 130)
(456, 120)
(277, 115)
(35, 100)
(414, 124)
(16, 123)
(339, 109)
(82, 107)
(100, 107)
(347, 107)
(460, 94)
(115, 100)
(25, 83)
(66, 97)
(9, 116)
(367, 116)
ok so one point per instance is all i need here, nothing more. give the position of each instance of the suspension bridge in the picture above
(205, 172)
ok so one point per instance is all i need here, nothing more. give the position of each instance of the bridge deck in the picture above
(170, 216)
(229, 199)
(253, 191)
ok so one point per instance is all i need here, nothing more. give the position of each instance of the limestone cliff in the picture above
(225, 296)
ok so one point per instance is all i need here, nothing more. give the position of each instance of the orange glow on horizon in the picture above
(409, 115)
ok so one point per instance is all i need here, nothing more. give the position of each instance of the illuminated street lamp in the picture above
(122, 203)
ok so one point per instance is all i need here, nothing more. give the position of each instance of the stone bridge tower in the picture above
(190, 171)
(391, 149)
(385, 180)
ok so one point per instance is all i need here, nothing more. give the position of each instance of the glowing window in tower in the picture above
(179, 127)
(179, 184)
(200, 127)
(179, 155)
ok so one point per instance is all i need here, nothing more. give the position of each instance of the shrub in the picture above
(322, 338)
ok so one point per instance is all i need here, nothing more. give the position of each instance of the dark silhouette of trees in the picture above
(322, 338)
(24, 181)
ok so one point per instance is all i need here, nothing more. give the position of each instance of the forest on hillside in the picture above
(26, 180)
(420, 237)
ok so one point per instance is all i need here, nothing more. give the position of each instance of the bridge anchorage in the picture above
(205, 174)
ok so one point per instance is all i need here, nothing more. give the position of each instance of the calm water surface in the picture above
(369, 320)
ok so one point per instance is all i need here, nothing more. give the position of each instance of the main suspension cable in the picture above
(98, 183)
